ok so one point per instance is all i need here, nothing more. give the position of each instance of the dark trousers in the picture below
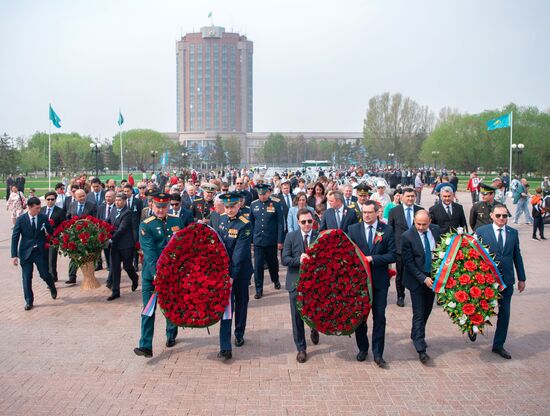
(106, 252)
(268, 255)
(400, 268)
(503, 320)
(379, 302)
(241, 296)
(422, 299)
(538, 224)
(27, 267)
(72, 270)
(298, 331)
(52, 262)
(475, 196)
(124, 255)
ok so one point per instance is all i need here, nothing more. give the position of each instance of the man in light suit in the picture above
(337, 216)
(293, 254)
(448, 214)
(417, 246)
(375, 239)
(503, 243)
(401, 219)
(55, 216)
(28, 246)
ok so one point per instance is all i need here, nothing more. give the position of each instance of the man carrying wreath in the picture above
(154, 234)
(376, 241)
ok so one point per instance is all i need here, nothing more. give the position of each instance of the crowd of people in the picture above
(261, 219)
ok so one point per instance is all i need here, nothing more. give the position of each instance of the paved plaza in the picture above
(73, 356)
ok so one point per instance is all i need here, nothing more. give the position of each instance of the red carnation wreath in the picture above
(334, 286)
(192, 281)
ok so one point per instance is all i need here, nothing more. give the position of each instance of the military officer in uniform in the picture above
(480, 214)
(236, 233)
(362, 196)
(268, 235)
(244, 210)
(154, 234)
(203, 207)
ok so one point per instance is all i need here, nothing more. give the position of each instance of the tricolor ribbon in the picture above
(448, 260)
(149, 309)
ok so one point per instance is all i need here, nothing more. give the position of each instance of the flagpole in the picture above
(511, 142)
(50, 156)
(121, 155)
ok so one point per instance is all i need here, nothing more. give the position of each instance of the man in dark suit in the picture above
(285, 199)
(337, 216)
(60, 196)
(294, 248)
(55, 216)
(349, 198)
(28, 245)
(69, 199)
(79, 207)
(122, 245)
(178, 210)
(401, 219)
(104, 214)
(239, 187)
(448, 214)
(97, 195)
(376, 241)
(135, 205)
(417, 246)
(503, 243)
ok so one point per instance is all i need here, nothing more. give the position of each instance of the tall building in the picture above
(214, 81)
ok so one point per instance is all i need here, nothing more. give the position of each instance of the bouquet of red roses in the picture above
(334, 286)
(82, 238)
(467, 282)
(192, 281)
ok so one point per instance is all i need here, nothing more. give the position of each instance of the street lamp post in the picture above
(517, 148)
(184, 156)
(435, 153)
(95, 149)
(391, 156)
(154, 154)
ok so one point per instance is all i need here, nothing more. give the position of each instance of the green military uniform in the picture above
(480, 214)
(355, 207)
(154, 235)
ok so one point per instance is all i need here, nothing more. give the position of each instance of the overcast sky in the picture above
(316, 63)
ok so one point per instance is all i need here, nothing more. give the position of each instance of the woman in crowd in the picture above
(16, 203)
(299, 202)
(318, 196)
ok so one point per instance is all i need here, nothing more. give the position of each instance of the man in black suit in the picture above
(418, 244)
(79, 207)
(401, 219)
(60, 196)
(135, 205)
(104, 214)
(239, 187)
(122, 245)
(97, 195)
(55, 216)
(337, 216)
(349, 198)
(376, 241)
(178, 210)
(69, 199)
(503, 243)
(293, 254)
(285, 199)
(448, 214)
(28, 245)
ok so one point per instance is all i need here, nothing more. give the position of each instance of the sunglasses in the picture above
(501, 215)
(306, 222)
(175, 204)
(486, 193)
(140, 187)
(238, 183)
(50, 199)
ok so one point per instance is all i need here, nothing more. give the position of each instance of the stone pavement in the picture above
(73, 356)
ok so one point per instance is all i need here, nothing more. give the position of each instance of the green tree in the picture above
(219, 152)
(9, 156)
(273, 149)
(232, 148)
(137, 146)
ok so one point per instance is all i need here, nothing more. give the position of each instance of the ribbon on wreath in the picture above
(149, 309)
(448, 260)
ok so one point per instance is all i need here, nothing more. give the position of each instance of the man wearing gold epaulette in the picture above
(154, 234)
(203, 207)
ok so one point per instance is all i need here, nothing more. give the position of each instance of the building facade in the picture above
(214, 82)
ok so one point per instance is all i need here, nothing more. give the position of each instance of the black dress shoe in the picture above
(278, 285)
(239, 342)
(28, 307)
(400, 302)
(170, 343)
(361, 356)
(314, 336)
(472, 336)
(423, 357)
(258, 295)
(301, 357)
(226, 355)
(134, 285)
(109, 285)
(53, 292)
(380, 362)
(144, 352)
(502, 352)
(113, 297)
(70, 281)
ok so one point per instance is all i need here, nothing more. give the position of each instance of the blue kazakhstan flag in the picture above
(499, 123)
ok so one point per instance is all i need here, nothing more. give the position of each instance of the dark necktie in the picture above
(347, 202)
(369, 239)
(109, 211)
(338, 220)
(500, 241)
(427, 254)
(49, 213)
(305, 242)
(79, 211)
(97, 198)
(409, 218)
(449, 211)
(33, 225)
